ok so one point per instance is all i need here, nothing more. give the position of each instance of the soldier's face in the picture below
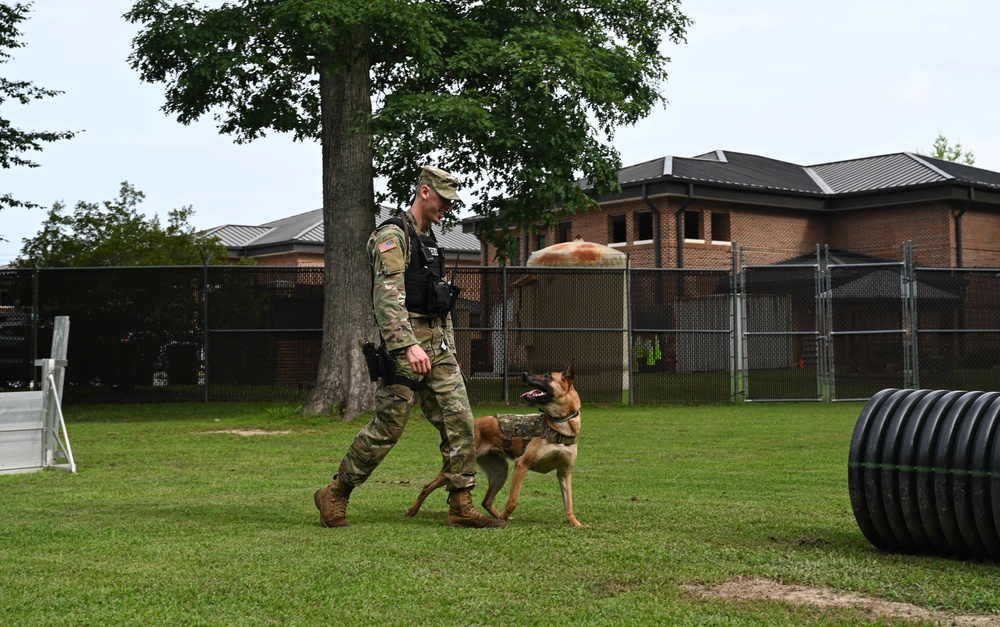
(436, 205)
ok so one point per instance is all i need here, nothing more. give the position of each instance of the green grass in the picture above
(167, 523)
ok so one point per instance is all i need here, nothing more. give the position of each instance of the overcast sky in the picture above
(805, 82)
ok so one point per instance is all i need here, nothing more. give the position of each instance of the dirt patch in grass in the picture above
(765, 589)
(250, 432)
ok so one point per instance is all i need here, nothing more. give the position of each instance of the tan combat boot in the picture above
(331, 501)
(461, 512)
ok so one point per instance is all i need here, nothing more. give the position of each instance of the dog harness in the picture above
(519, 429)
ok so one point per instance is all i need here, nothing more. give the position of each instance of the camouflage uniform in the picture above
(443, 398)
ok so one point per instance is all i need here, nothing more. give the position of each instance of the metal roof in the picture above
(966, 173)
(835, 257)
(236, 235)
(736, 169)
(894, 179)
(307, 228)
(896, 170)
(644, 171)
(886, 284)
(746, 171)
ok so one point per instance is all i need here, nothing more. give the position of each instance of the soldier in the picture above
(417, 331)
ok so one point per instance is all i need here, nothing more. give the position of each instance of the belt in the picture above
(427, 322)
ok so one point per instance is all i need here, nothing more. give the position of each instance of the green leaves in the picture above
(254, 64)
(14, 142)
(526, 99)
(115, 233)
(944, 150)
(520, 97)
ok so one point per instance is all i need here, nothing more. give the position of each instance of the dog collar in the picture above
(570, 417)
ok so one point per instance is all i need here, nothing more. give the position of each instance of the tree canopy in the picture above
(521, 98)
(15, 142)
(943, 149)
(115, 233)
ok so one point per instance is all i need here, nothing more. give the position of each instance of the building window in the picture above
(617, 227)
(540, 241)
(692, 225)
(644, 226)
(564, 232)
(720, 227)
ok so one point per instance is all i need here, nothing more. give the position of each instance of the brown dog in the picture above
(540, 442)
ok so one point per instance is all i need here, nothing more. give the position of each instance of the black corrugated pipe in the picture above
(958, 227)
(924, 472)
(679, 218)
(657, 253)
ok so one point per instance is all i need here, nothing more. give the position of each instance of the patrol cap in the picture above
(440, 181)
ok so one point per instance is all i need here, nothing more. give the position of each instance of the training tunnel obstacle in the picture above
(32, 428)
(924, 472)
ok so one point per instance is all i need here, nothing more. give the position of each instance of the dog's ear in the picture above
(567, 372)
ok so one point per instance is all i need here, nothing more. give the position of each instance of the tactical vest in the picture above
(519, 429)
(426, 267)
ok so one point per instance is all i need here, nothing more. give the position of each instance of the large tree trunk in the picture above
(342, 383)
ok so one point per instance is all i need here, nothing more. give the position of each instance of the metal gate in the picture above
(830, 331)
(783, 347)
(869, 317)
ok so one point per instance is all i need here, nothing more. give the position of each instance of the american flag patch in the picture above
(387, 245)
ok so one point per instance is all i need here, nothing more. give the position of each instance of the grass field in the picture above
(172, 520)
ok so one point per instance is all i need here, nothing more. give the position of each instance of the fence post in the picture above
(742, 359)
(820, 329)
(826, 278)
(36, 307)
(204, 343)
(503, 330)
(629, 334)
(909, 271)
(735, 337)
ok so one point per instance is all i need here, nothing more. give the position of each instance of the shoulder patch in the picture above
(390, 254)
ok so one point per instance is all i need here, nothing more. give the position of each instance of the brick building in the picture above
(297, 241)
(677, 212)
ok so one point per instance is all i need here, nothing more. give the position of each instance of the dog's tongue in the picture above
(532, 394)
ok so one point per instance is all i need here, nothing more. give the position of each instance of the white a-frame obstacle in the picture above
(32, 428)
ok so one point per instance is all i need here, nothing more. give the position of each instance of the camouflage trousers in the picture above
(444, 402)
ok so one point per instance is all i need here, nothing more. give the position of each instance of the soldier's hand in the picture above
(419, 362)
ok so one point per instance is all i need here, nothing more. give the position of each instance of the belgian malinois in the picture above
(540, 442)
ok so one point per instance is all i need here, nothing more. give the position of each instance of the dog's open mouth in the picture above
(536, 396)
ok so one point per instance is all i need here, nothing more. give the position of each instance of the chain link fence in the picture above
(681, 335)
(868, 329)
(782, 356)
(810, 329)
(957, 329)
(263, 327)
